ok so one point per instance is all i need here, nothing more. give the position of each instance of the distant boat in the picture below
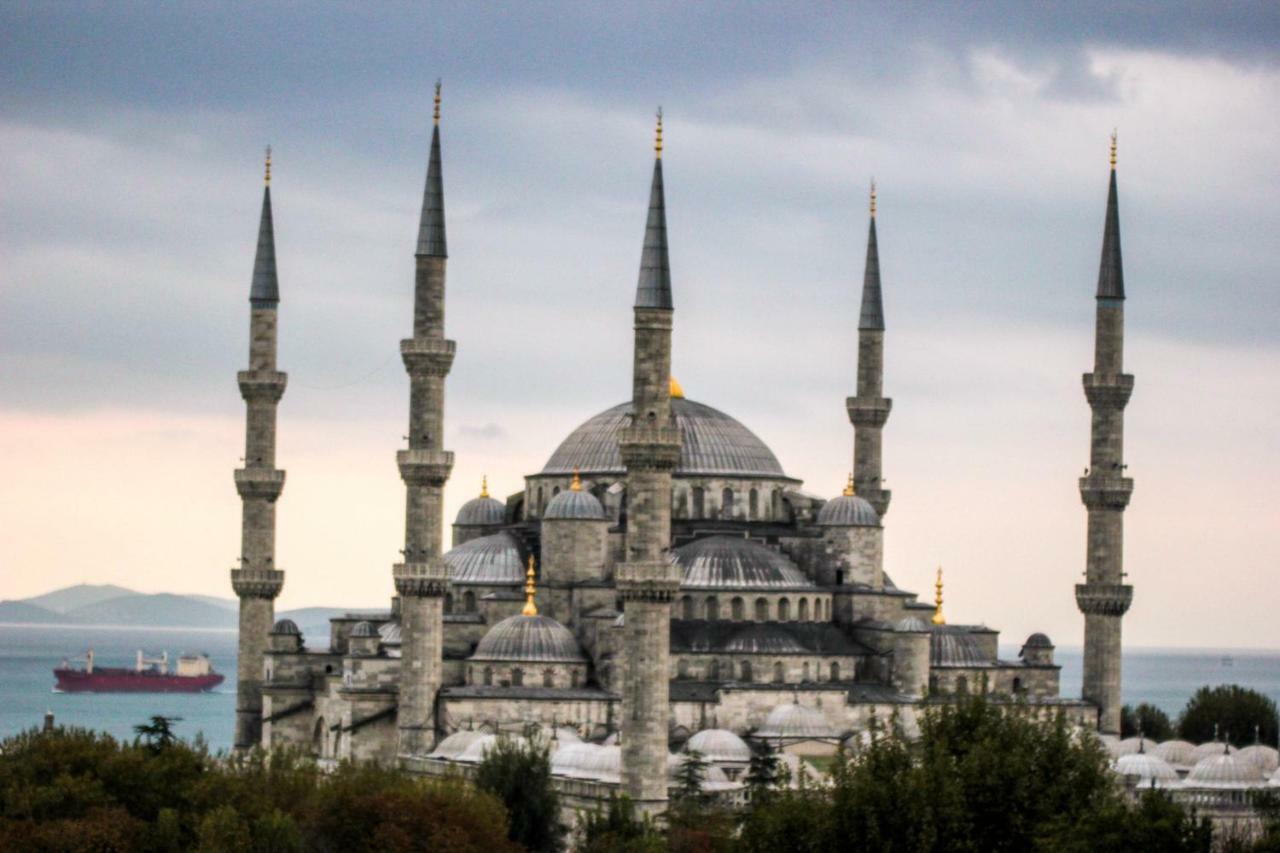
(194, 674)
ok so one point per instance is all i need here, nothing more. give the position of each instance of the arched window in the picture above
(573, 678)
(804, 672)
(726, 503)
(753, 503)
(713, 608)
(775, 505)
(737, 609)
(745, 669)
(555, 491)
(686, 607)
(517, 677)
(606, 675)
(762, 610)
(784, 610)
(699, 502)
(802, 610)
(682, 668)
(933, 684)
(713, 671)
(540, 501)
(835, 671)
(488, 676)
(962, 684)
(1017, 685)
(317, 739)
(469, 601)
(548, 678)
(779, 675)
(448, 602)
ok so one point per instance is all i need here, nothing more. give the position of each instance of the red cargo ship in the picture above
(194, 674)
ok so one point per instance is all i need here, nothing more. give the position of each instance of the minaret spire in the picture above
(256, 580)
(1104, 597)
(431, 237)
(654, 287)
(869, 410)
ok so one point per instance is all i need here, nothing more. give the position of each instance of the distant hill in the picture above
(24, 611)
(228, 603)
(313, 621)
(160, 609)
(81, 595)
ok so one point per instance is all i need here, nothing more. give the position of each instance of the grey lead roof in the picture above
(481, 512)
(1111, 270)
(871, 318)
(711, 443)
(695, 636)
(654, 288)
(431, 240)
(265, 289)
(955, 645)
(496, 559)
(529, 638)
(729, 562)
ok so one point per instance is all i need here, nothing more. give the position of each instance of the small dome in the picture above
(1224, 771)
(529, 638)
(1147, 767)
(364, 629)
(719, 745)
(287, 627)
(574, 505)
(483, 511)
(1264, 757)
(494, 560)
(795, 721)
(911, 625)
(567, 757)
(1209, 750)
(848, 511)
(591, 761)
(732, 562)
(1038, 641)
(1179, 753)
(955, 646)
(478, 748)
(1130, 746)
(454, 745)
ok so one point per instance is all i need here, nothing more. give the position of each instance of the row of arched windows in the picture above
(468, 603)
(516, 677)
(746, 670)
(757, 507)
(762, 609)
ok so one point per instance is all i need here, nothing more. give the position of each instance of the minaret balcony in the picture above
(427, 356)
(256, 385)
(257, 583)
(1108, 390)
(647, 447)
(421, 579)
(648, 581)
(259, 483)
(868, 411)
(1100, 491)
(423, 467)
(1104, 599)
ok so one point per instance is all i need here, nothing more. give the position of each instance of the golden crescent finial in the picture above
(938, 618)
(657, 141)
(873, 198)
(848, 489)
(266, 179)
(1114, 135)
(530, 590)
(484, 485)
(436, 114)
(576, 485)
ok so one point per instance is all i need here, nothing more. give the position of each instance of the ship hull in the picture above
(110, 680)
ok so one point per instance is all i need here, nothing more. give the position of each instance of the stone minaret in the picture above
(1104, 596)
(648, 579)
(422, 578)
(870, 409)
(257, 582)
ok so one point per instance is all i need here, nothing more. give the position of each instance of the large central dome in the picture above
(712, 443)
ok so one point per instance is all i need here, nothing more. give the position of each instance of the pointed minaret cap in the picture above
(431, 239)
(871, 317)
(1111, 270)
(264, 292)
(654, 288)
(938, 618)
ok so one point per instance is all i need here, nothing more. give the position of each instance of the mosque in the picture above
(660, 582)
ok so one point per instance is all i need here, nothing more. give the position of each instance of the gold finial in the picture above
(1114, 134)
(873, 198)
(530, 590)
(848, 488)
(267, 177)
(677, 391)
(436, 114)
(576, 485)
(484, 485)
(938, 618)
(657, 142)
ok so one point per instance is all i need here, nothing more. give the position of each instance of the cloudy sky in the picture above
(131, 138)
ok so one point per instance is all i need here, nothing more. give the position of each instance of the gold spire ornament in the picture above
(1113, 150)
(848, 488)
(484, 485)
(657, 142)
(576, 485)
(938, 618)
(677, 391)
(530, 590)
(436, 115)
(873, 198)
(266, 179)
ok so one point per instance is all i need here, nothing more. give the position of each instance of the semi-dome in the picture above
(732, 562)
(390, 633)
(483, 511)
(711, 443)
(529, 638)
(1224, 771)
(454, 745)
(795, 721)
(364, 629)
(574, 505)
(719, 745)
(1264, 757)
(955, 646)
(1179, 753)
(494, 560)
(911, 625)
(764, 639)
(286, 627)
(1150, 769)
(848, 510)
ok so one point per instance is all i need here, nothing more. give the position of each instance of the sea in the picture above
(28, 654)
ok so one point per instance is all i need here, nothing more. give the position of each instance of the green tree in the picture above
(158, 734)
(1147, 720)
(518, 773)
(763, 772)
(1234, 712)
(615, 828)
(690, 776)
